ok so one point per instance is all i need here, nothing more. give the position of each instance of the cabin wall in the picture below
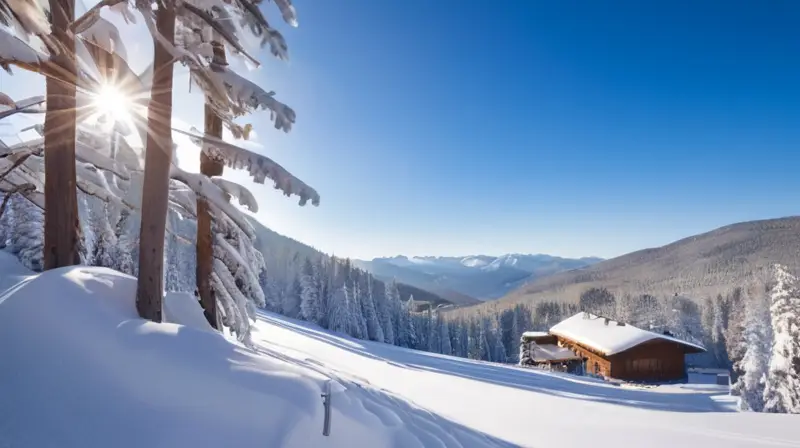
(595, 364)
(654, 361)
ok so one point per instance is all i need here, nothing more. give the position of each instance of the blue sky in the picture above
(573, 128)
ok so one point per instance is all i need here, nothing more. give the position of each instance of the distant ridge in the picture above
(699, 266)
(472, 278)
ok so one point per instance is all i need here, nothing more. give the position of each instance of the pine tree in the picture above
(385, 316)
(339, 318)
(27, 238)
(444, 336)
(755, 362)
(310, 308)
(782, 390)
(412, 328)
(374, 330)
(292, 299)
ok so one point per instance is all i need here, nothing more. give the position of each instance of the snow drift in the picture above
(80, 369)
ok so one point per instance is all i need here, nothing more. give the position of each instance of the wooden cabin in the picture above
(611, 349)
(541, 349)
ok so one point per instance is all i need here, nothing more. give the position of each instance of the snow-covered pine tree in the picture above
(409, 310)
(291, 301)
(374, 329)
(734, 334)
(339, 312)
(444, 335)
(309, 297)
(757, 344)
(782, 389)
(27, 238)
(434, 334)
(384, 308)
(718, 333)
(499, 348)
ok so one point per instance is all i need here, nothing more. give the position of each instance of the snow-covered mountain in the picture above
(483, 277)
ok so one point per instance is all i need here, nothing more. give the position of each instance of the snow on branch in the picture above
(85, 153)
(106, 36)
(229, 37)
(239, 302)
(247, 95)
(260, 167)
(91, 16)
(287, 11)
(245, 197)
(13, 49)
(239, 268)
(252, 17)
(33, 105)
(27, 15)
(203, 187)
(184, 198)
(23, 189)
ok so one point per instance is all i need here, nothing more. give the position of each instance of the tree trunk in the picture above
(61, 226)
(158, 158)
(205, 237)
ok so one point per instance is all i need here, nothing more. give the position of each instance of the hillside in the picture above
(470, 279)
(699, 266)
(91, 373)
(282, 255)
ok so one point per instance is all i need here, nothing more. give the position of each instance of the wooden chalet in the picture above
(607, 348)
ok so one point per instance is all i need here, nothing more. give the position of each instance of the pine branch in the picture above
(88, 19)
(21, 189)
(16, 163)
(219, 29)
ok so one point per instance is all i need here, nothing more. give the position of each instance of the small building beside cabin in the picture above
(586, 343)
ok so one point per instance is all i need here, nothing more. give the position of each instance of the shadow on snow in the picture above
(556, 384)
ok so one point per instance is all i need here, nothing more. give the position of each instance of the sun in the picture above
(110, 101)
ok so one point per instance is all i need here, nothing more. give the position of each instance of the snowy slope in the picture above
(11, 271)
(528, 407)
(79, 369)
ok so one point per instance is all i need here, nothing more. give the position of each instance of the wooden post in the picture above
(158, 158)
(326, 404)
(205, 237)
(61, 225)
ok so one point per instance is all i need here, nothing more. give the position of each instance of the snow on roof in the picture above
(535, 334)
(593, 332)
(550, 352)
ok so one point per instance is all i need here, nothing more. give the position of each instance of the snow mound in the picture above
(182, 308)
(11, 271)
(608, 337)
(80, 369)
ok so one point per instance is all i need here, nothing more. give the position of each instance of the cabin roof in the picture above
(592, 332)
(535, 334)
(552, 353)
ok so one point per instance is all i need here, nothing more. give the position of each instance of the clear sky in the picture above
(572, 128)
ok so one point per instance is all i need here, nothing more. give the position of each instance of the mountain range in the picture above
(470, 279)
(283, 257)
(698, 267)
